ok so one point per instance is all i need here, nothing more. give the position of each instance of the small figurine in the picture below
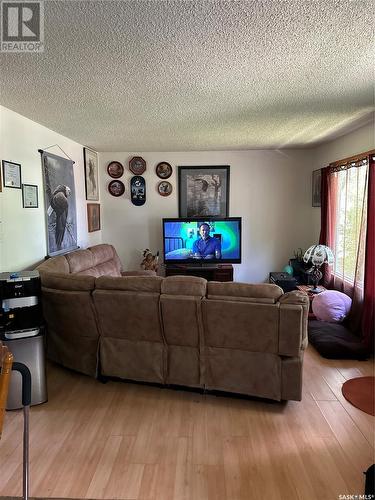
(150, 262)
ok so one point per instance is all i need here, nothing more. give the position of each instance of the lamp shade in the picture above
(318, 255)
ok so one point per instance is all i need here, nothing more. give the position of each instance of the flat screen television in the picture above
(201, 241)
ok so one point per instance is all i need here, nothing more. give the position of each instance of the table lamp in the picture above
(318, 255)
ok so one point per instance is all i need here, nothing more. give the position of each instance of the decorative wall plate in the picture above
(137, 165)
(163, 170)
(115, 169)
(138, 190)
(165, 188)
(116, 188)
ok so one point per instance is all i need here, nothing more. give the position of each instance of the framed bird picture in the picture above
(90, 158)
(60, 203)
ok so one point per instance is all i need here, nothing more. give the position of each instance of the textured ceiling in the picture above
(197, 75)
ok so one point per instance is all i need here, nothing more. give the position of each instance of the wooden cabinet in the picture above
(220, 272)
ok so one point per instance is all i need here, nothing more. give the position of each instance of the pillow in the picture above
(331, 306)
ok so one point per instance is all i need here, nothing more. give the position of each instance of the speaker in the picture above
(284, 281)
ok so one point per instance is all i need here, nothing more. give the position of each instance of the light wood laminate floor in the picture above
(130, 441)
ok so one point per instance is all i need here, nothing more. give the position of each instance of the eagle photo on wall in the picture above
(60, 204)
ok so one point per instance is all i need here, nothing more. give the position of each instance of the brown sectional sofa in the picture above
(179, 330)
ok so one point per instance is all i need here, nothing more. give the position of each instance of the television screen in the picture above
(201, 241)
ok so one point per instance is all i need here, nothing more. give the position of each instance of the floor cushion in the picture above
(335, 341)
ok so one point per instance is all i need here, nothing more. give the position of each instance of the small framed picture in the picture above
(164, 188)
(93, 217)
(12, 174)
(316, 187)
(163, 170)
(91, 174)
(29, 196)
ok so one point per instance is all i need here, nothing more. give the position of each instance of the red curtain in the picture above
(323, 239)
(368, 322)
(328, 217)
(364, 308)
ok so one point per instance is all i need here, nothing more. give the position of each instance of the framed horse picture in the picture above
(91, 174)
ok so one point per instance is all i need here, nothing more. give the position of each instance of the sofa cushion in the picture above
(73, 334)
(184, 285)
(181, 319)
(145, 272)
(131, 359)
(244, 372)
(231, 298)
(92, 271)
(105, 253)
(240, 325)
(57, 264)
(130, 283)
(80, 260)
(230, 290)
(68, 281)
(109, 268)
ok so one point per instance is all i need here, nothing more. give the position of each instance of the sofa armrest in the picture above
(138, 273)
(295, 297)
(293, 314)
(70, 282)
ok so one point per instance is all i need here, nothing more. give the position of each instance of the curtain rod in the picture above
(355, 158)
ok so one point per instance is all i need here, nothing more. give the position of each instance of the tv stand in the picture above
(210, 272)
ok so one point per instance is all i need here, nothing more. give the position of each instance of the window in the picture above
(350, 190)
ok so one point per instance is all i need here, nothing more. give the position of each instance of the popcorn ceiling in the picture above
(197, 75)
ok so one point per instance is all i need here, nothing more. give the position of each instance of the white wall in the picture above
(22, 231)
(359, 141)
(270, 190)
